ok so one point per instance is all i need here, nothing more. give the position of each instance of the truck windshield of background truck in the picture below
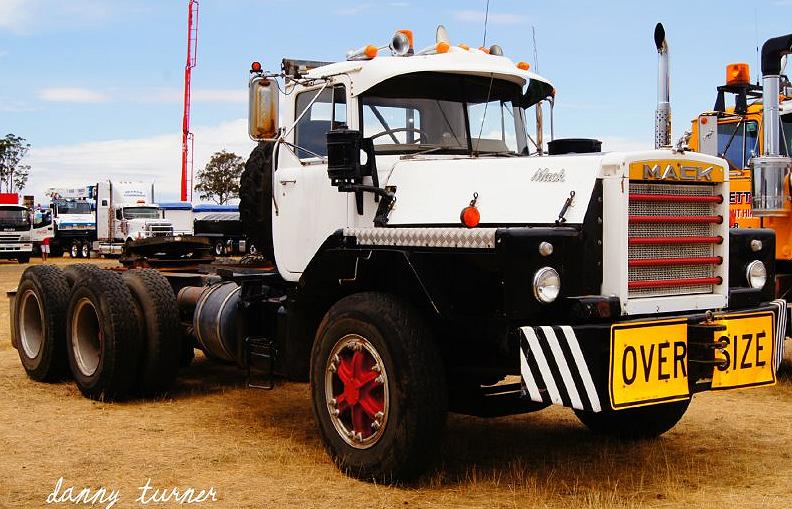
(141, 213)
(737, 142)
(72, 207)
(445, 113)
(14, 219)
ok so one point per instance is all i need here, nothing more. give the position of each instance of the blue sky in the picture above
(96, 85)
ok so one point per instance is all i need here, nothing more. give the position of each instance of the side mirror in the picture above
(263, 109)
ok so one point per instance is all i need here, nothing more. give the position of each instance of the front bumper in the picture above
(599, 367)
(14, 250)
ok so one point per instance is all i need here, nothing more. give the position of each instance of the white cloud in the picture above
(497, 18)
(157, 158)
(71, 95)
(29, 16)
(142, 96)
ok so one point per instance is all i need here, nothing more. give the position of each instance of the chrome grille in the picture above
(10, 237)
(665, 240)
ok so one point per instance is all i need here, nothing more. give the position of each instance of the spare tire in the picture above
(162, 339)
(255, 198)
(103, 336)
(39, 318)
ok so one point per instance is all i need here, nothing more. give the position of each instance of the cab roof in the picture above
(365, 74)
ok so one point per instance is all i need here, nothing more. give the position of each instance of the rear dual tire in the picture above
(39, 317)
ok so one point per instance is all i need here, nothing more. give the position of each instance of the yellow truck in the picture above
(754, 134)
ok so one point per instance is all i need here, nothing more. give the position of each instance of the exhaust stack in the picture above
(663, 112)
(769, 170)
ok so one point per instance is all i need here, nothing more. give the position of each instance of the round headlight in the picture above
(756, 274)
(546, 284)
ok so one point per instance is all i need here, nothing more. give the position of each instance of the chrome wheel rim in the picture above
(87, 337)
(31, 324)
(356, 391)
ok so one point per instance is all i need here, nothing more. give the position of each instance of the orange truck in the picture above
(754, 134)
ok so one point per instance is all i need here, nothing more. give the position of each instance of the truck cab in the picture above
(15, 228)
(126, 211)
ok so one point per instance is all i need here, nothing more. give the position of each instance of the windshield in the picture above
(14, 217)
(72, 207)
(737, 142)
(445, 113)
(141, 213)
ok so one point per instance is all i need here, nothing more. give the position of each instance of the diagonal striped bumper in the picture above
(554, 369)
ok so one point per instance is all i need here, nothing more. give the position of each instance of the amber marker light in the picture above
(371, 51)
(464, 46)
(523, 65)
(485, 50)
(470, 215)
(738, 74)
(442, 47)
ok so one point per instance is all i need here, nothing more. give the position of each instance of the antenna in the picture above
(756, 40)
(535, 52)
(486, 18)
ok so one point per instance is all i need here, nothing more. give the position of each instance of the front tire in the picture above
(74, 250)
(24, 259)
(635, 423)
(378, 388)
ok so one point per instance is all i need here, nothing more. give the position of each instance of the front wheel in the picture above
(635, 423)
(378, 388)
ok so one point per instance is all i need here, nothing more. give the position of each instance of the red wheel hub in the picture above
(358, 392)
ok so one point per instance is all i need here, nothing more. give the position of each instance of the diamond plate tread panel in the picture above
(473, 238)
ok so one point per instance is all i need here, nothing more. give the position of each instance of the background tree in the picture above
(13, 174)
(219, 180)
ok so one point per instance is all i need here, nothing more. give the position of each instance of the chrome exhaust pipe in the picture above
(663, 112)
(769, 171)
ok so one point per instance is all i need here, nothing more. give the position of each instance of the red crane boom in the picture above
(187, 136)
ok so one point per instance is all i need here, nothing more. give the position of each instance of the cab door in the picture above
(306, 208)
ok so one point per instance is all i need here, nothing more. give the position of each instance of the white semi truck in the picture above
(126, 211)
(431, 256)
(69, 221)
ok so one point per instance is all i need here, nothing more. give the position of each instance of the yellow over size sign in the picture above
(648, 363)
(748, 354)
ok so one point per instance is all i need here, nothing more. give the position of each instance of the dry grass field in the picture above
(260, 449)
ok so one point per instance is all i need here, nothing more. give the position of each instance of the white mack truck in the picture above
(126, 211)
(431, 256)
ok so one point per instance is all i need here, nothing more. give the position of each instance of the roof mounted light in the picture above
(365, 53)
(496, 50)
(738, 74)
(464, 46)
(523, 65)
(435, 49)
(401, 43)
(255, 67)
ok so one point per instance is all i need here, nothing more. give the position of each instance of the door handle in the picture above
(288, 181)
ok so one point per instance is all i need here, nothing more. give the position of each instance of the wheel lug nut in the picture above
(380, 379)
(376, 368)
(379, 415)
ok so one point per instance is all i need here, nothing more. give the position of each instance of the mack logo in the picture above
(548, 175)
(671, 172)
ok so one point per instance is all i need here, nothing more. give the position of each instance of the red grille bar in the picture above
(676, 219)
(656, 241)
(677, 198)
(664, 283)
(662, 262)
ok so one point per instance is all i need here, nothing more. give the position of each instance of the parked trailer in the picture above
(415, 280)
(180, 214)
(223, 227)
